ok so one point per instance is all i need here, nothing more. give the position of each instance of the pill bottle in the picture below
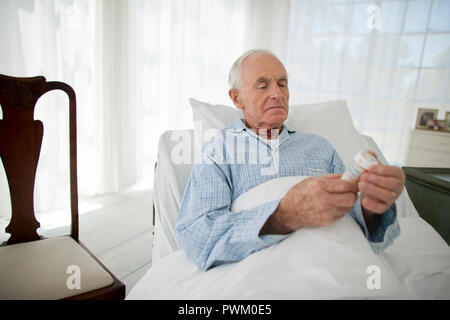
(362, 162)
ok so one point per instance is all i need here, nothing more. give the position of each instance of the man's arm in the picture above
(208, 231)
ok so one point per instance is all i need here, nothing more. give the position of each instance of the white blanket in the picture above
(334, 262)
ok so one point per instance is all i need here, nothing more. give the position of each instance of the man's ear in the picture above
(234, 95)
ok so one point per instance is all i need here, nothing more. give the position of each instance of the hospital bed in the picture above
(334, 262)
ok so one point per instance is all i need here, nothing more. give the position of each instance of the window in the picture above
(384, 72)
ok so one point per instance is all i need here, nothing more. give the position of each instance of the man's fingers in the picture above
(384, 195)
(342, 200)
(373, 205)
(390, 183)
(388, 171)
(331, 176)
(338, 186)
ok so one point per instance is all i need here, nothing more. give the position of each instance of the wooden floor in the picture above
(117, 228)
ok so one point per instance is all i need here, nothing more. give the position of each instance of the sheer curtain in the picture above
(55, 39)
(135, 63)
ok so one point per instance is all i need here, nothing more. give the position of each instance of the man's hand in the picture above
(316, 201)
(380, 186)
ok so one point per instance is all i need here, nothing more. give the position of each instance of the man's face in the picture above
(264, 96)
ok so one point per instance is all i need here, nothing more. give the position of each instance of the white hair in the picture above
(235, 75)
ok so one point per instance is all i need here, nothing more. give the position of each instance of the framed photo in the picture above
(435, 124)
(447, 121)
(425, 115)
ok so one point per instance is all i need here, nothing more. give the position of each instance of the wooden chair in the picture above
(32, 267)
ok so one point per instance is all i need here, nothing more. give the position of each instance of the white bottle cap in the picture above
(364, 160)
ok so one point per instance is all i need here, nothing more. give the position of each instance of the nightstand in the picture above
(429, 190)
(428, 148)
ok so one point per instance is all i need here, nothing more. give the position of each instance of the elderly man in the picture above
(207, 230)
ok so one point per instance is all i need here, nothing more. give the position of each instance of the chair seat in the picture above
(39, 270)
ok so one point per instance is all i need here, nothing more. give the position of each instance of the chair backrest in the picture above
(20, 146)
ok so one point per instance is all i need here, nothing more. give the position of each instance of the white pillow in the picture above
(330, 119)
(215, 116)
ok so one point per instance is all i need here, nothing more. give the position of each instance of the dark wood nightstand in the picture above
(429, 190)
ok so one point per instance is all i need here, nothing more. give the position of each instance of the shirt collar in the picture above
(238, 125)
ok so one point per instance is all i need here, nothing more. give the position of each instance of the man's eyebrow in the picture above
(263, 79)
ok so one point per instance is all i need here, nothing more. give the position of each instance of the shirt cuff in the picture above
(386, 232)
(251, 232)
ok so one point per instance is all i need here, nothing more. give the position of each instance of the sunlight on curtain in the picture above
(384, 73)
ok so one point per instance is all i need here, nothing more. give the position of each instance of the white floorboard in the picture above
(127, 258)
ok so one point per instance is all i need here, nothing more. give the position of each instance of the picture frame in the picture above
(424, 115)
(447, 121)
(436, 125)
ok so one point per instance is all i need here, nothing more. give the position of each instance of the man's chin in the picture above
(277, 118)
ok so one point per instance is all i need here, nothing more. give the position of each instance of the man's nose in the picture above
(275, 91)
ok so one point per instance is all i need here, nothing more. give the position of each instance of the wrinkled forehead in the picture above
(262, 65)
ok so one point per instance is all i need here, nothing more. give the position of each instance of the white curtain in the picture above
(135, 63)
(55, 39)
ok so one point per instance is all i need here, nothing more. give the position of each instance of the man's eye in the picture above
(262, 86)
